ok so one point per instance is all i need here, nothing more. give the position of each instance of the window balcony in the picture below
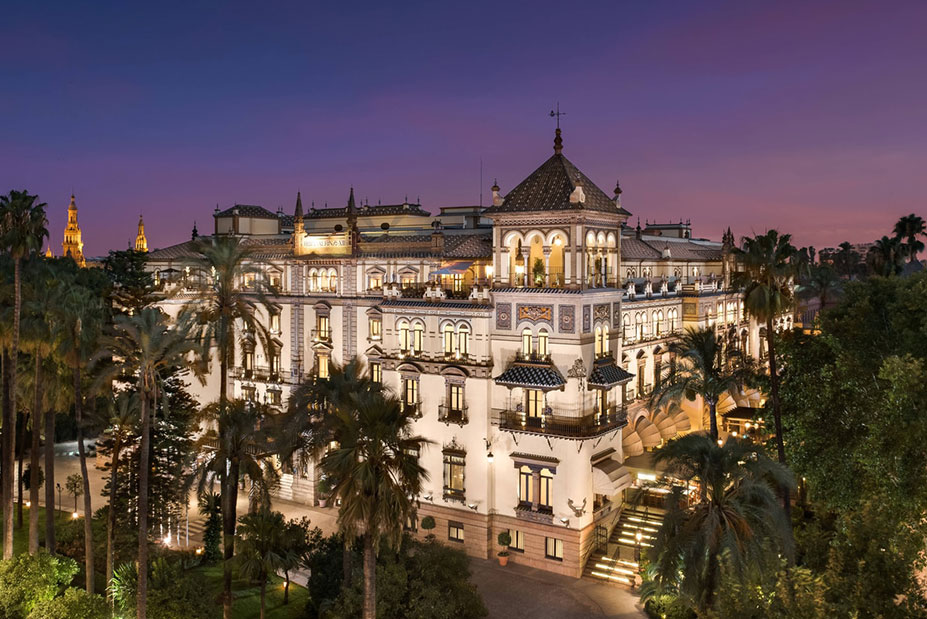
(567, 424)
(322, 335)
(452, 414)
(533, 356)
(535, 512)
(414, 409)
(454, 494)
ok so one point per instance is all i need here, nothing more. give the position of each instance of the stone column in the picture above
(547, 250)
(526, 255)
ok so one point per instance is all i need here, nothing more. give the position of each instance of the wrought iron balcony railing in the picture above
(570, 424)
(453, 414)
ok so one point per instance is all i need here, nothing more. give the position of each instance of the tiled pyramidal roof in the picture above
(542, 376)
(549, 188)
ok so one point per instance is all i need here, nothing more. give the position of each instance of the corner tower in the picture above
(72, 245)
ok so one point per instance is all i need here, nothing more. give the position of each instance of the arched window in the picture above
(639, 320)
(543, 343)
(333, 280)
(628, 326)
(526, 342)
(658, 322)
(463, 341)
(671, 315)
(418, 337)
(404, 336)
(313, 280)
(605, 339)
(598, 342)
(448, 332)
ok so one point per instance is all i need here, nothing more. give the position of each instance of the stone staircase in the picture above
(617, 562)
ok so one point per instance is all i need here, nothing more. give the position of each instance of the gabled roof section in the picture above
(549, 189)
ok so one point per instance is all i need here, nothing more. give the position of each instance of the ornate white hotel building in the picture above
(526, 335)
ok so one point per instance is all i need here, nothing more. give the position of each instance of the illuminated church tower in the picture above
(72, 245)
(141, 243)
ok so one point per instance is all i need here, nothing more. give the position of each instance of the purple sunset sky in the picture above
(806, 116)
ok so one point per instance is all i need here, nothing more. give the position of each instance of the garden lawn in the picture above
(246, 602)
(21, 534)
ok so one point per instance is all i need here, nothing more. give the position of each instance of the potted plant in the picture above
(428, 523)
(324, 489)
(538, 271)
(505, 540)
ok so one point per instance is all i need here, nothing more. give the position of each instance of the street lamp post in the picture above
(637, 549)
(59, 496)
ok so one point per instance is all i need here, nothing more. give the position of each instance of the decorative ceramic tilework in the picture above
(567, 319)
(534, 313)
(600, 311)
(587, 320)
(503, 315)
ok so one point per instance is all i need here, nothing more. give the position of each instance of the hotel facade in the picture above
(526, 337)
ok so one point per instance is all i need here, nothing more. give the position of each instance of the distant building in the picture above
(141, 243)
(73, 246)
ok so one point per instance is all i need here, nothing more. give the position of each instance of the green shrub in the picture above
(74, 604)
(26, 580)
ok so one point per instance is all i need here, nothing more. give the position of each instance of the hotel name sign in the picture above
(325, 244)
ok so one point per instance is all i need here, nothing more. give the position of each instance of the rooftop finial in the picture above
(558, 141)
(617, 188)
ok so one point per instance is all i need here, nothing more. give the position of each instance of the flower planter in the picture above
(503, 560)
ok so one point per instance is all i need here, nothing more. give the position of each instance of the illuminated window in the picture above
(313, 281)
(323, 365)
(526, 342)
(275, 322)
(553, 548)
(545, 498)
(404, 336)
(458, 282)
(599, 348)
(518, 540)
(455, 397)
(534, 403)
(448, 339)
(463, 341)
(455, 531)
(374, 281)
(454, 464)
(525, 485)
(376, 374)
(276, 398)
(600, 400)
(543, 343)
(418, 337)
(333, 281)
(323, 327)
(248, 360)
(375, 325)
(249, 393)
(410, 392)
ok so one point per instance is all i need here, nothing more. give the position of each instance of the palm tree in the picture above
(229, 288)
(732, 520)
(81, 316)
(767, 288)
(907, 229)
(22, 232)
(822, 283)
(374, 464)
(237, 449)
(846, 259)
(260, 547)
(41, 341)
(146, 345)
(122, 425)
(700, 371)
(886, 257)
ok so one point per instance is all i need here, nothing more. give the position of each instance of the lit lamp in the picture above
(489, 457)
(75, 515)
(637, 549)
(519, 269)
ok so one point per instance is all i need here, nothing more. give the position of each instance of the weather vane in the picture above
(557, 114)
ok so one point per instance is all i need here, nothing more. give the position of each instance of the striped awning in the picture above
(454, 268)
(609, 477)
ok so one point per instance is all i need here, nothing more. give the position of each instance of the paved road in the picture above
(517, 592)
(512, 592)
